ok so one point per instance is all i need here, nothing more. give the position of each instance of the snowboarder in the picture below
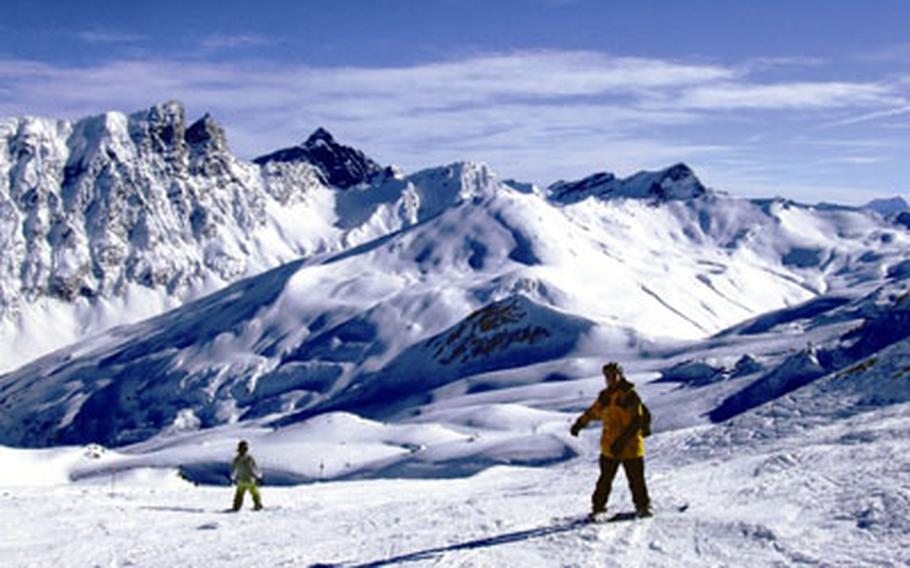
(625, 418)
(246, 474)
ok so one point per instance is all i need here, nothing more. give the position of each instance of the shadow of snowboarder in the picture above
(485, 542)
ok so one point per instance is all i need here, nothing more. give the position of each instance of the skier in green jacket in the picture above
(246, 474)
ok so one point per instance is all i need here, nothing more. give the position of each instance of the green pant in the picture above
(242, 488)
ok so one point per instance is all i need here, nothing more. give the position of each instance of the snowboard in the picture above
(632, 515)
(250, 509)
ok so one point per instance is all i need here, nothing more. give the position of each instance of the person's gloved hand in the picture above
(575, 429)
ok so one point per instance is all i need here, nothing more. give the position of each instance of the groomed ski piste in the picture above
(816, 477)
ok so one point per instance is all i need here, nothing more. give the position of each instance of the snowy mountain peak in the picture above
(888, 206)
(318, 137)
(163, 126)
(341, 166)
(206, 135)
(674, 183)
(455, 183)
(678, 182)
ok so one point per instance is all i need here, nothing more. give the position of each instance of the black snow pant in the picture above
(635, 474)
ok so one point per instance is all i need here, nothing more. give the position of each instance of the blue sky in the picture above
(807, 99)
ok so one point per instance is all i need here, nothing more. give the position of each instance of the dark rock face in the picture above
(341, 166)
(512, 332)
(693, 373)
(573, 191)
(493, 328)
(208, 148)
(92, 206)
(206, 134)
(746, 365)
(678, 182)
(903, 219)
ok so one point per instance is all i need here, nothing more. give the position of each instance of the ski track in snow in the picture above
(834, 495)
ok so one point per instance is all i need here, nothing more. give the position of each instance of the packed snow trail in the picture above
(837, 494)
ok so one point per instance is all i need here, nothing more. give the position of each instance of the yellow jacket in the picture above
(620, 409)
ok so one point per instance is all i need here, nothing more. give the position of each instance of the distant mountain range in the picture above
(314, 279)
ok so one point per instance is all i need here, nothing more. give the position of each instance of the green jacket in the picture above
(244, 469)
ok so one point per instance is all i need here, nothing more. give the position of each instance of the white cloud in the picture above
(218, 42)
(528, 93)
(870, 116)
(786, 96)
(773, 63)
(101, 36)
(853, 160)
(898, 52)
(538, 115)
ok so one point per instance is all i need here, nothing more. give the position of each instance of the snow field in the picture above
(834, 495)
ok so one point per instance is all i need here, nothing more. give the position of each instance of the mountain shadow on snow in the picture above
(510, 333)
(132, 391)
(884, 324)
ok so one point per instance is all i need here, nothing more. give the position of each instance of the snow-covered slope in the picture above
(818, 478)
(379, 329)
(116, 218)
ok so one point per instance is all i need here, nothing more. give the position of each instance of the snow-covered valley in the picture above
(405, 355)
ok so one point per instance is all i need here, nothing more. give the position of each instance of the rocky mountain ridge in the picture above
(113, 218)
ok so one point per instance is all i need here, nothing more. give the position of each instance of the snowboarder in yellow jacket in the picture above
(246, 474)
(624, 417)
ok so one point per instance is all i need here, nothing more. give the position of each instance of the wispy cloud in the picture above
(539, 115)
(217, 42)
(899, 52)
(787, 96)
(869, 117)
(757, 64)
(101, 36)
(853, 160)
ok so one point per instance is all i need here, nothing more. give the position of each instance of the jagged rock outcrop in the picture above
(677, 182)
(114, 218)
(88, 207)
(341, 166)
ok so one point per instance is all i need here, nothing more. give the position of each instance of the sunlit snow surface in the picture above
(818, 475)
(830, 491)
(409, 396)
(541, 292)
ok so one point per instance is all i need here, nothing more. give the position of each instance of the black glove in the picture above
(575, 429)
